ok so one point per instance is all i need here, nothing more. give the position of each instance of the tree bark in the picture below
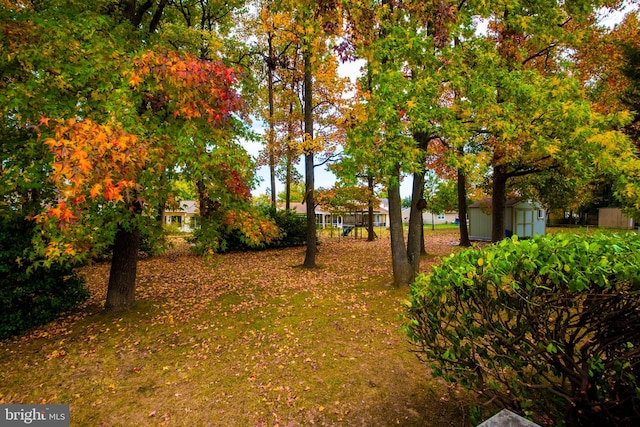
(290, 155)
(415, 223)
(498, 202)
(271, 65)
(122, 277)
(423, 249)
(399, 261)
(370, 231)
(462, 208)
(416, 228)
(310, 255)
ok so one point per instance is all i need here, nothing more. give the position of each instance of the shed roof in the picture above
(487, 203)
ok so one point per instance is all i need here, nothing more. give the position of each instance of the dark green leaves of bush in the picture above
(29, 299)
(548, 326)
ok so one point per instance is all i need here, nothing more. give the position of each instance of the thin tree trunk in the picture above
(498, 202)
(462, 208)
(415, 223)
(370, 231)
(310, 255)
(423, 249)
(122, 277)
(399, 261)
(289, 165)
(271, 65)
(415, 240)
(287, 184)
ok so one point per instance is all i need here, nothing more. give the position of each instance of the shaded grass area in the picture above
(245, 340)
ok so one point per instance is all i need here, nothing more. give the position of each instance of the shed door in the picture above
(524, 222)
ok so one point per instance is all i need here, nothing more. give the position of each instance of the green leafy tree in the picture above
(513, 86)
(118, 108)
(296, 193)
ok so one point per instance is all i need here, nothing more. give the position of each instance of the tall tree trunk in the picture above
(399, 261)
(310, 255)
(370, 231)
(289, 165)
(415, 240)
(498, 202)
(122, 277)
(462, 207)
(415, 223)
(271, 65)
(287, 184)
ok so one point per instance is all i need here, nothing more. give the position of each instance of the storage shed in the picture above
(521, 218)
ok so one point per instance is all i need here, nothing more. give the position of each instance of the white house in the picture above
(184, 216)
(431, 217)
(326, 218)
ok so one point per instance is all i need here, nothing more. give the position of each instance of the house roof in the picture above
(487, 203)
(186, 206)
(301, 209)
(297, 207)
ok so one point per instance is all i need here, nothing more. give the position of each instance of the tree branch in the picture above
(539, 54)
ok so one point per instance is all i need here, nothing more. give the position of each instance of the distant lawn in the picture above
(583, 229)
(383, 232)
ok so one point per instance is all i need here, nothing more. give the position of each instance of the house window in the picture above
(540, 213)
(176, 220)
(441, 217)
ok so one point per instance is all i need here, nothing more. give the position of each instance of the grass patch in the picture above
(253, 341)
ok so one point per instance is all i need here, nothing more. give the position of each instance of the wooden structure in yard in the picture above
(614, 218)
(521, 218)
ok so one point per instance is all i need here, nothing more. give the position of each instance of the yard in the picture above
(248, 339)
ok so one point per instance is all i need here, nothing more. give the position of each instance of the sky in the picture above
(323, 177)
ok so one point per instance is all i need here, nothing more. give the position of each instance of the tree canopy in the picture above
(105, 106)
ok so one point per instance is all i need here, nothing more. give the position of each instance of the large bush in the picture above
(549, 326)
(292, 232)
(31, 298)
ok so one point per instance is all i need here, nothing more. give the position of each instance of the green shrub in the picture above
(293, 228)
(29, 299)
(549, 326)
(226, 238)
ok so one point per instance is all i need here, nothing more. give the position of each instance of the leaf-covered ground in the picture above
(251, 339)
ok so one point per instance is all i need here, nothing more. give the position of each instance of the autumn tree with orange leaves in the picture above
(116, 115)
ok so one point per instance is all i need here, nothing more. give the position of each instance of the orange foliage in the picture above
(186, 86)
(92, 162)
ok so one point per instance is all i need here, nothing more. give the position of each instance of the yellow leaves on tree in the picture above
(92, 162)
(255, 228)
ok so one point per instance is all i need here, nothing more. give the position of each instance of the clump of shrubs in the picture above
(548, 327)
(31, 297)
(229, 238)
